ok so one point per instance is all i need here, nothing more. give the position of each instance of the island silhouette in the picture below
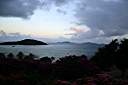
(24, 42)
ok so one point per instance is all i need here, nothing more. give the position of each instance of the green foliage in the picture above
(46, 59)
(20, 56)
(114, 53)
(122, 54)
(2, 56)
(10, 56)
(29, 57)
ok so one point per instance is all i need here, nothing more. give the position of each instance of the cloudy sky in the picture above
(97, 21)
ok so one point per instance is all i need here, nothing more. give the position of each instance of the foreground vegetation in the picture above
(107, 67)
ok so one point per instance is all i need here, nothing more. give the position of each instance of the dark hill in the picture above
(25, 42)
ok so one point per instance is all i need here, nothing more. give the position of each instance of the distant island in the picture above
(24, 42)
(63, 43)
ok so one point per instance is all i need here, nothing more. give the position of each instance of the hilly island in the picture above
(24, 42)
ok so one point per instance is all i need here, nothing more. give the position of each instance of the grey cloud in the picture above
(61, 11)
(92, 37)
(25, 8)
(12, 36)
(110, 16)
(86, 35)
(61, 2)
(18, 8)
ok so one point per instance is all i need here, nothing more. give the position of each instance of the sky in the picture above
(97, 21)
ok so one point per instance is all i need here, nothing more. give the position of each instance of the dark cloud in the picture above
(60, 2)
(25, 8)
(18, 8)
(105, 18)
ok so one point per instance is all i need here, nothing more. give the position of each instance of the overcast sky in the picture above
(97, 21)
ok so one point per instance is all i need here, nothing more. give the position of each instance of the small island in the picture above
(24, 42)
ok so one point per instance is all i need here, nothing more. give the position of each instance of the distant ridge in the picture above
(84, 43)
(25, 42)
(90, 43)
(62, 43)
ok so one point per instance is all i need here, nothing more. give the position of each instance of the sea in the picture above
(53, 50)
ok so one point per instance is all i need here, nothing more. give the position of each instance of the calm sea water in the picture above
(50, 50)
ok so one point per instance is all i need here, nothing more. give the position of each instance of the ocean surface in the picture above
(56, 51)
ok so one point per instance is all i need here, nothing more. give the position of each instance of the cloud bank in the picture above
(106, 19)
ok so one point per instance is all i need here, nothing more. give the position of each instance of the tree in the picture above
(73, 67)
(20, 55)
(115, 53)
(30, 57)
(10, 56)
(106, 56)
(122, 55)
(46, 59)
(52, 58)
(2, 56)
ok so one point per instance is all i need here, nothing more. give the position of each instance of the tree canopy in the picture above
(114, 53)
